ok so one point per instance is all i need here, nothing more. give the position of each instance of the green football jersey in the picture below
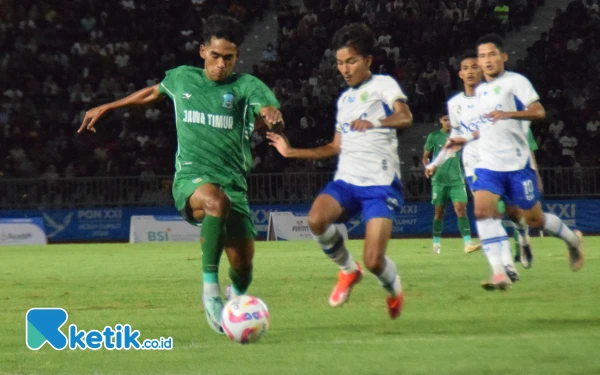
(214, 123)
(450, 173)
(531, 141)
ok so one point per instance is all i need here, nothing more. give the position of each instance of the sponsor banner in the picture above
(414, 219)
(22, 231)
(151, 228)
(285, 226)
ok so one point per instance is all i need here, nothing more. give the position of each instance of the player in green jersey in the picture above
(214, 115)
(447, 184)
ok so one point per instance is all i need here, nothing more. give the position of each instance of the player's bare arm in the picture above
(273, 118)
(400, 119)
(426, 157)
(535, 111)
(141, 97)
(456, 143)
(282, 145)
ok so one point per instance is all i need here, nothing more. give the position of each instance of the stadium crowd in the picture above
(60, 60)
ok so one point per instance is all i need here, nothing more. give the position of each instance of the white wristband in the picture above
(376, 124)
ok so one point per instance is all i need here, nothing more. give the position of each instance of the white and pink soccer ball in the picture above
(245, 319)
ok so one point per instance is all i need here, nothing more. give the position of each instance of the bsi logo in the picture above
(159, 236)
(42, 325)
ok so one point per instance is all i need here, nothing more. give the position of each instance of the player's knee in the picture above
(536, 221)
(217, 205)
(461, 211)
(373, 262)
(482, 213)
(317, 223)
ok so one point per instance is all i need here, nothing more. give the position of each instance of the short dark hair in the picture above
(467, 55)
(357, 36)
(223, 27)
(495, 39)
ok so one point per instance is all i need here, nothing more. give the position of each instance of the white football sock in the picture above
(332, 244)
(389, 278)
(494, 242)
(554, 226)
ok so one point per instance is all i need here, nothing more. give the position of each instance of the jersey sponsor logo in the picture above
(216, 121)
(186, 96)
(364, 96)
(471, 127)
(228, 100)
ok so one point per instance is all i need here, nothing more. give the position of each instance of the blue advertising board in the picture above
(414, 219)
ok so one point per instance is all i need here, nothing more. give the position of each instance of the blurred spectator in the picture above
(556, 127)
(569, 144)
(269, 54)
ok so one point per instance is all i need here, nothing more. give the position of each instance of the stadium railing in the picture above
(263, 188)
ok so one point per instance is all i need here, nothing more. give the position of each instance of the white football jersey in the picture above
(368, 158)
(465, 120)
(503, 146)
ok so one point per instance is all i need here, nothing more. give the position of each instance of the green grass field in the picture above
(548, 323)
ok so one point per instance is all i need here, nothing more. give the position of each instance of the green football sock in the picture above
(465, 228)
(212, 237)
(240, 281)
(438, 226)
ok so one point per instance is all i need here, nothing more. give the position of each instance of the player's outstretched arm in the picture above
(400, 119)
(535, 111)
(143, 96)
(283, 146)
(273, 118)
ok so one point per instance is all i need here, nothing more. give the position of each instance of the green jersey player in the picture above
(214, 115)
(447, 185)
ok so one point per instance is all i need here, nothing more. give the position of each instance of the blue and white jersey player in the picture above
(506, 101)
(367, 179)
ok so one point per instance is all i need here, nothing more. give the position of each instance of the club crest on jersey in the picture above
(364, 96)
(228, 100)
(497, 90)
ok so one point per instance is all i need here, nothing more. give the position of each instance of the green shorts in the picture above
(442, 194)
(239, 222)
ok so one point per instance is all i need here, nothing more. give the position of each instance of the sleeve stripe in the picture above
(169, 91)
(533, 100)
(401, 98)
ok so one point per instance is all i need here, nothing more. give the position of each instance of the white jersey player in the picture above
(367, 180)
(465, 119)
(368, 158)
(505, 100)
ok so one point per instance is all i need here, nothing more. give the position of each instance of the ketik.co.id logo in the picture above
(42, 325)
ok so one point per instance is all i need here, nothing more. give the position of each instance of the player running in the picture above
(214, 115)
(367, 179)
(465, 120)
(447, 185)
(506, 101)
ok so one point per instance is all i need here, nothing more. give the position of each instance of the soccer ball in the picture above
(245, 319)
